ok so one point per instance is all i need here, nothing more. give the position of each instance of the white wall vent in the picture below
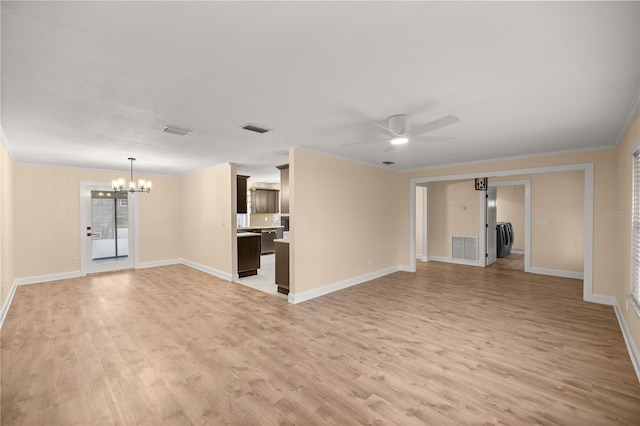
(464, 248)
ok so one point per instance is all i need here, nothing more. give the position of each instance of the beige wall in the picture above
(558, 199)
(173, 216)
(160, 228)
(343, 214)
(7, 256)
(454, 209)
(618, 214)
(47, 219)
(209, 219)
(510, 208)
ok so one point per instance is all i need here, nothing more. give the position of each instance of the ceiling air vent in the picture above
(176, 130)
(388, 163)
(254, 128)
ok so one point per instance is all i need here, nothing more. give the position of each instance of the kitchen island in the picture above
(268, 234)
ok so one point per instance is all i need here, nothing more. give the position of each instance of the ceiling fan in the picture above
(399, 132)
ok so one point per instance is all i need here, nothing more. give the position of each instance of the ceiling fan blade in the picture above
(386, 131)
(365, 142)
(434, 125)
(391, 147)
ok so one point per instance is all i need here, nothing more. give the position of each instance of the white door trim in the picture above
(587, 168)
(86, 265)
(425, 221)
(485, 227)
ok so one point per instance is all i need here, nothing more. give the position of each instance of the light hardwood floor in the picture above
(449, 344)
(511, 261)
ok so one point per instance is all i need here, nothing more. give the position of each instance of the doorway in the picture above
(107, 234)
(515, 209)
(587, 202)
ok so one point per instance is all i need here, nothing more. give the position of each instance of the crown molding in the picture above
(5, 141)
(631, 114)
(503, 159)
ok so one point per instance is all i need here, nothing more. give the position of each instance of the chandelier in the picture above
(143, 185)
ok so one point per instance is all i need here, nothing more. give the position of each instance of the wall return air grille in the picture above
(464, 248)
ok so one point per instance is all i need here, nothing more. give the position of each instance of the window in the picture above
(635, 231)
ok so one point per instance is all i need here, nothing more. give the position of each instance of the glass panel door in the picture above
(109, 225)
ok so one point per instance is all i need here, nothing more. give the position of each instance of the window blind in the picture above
(635, 230)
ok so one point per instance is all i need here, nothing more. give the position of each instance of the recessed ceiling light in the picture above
(176, 130)
(399, 141)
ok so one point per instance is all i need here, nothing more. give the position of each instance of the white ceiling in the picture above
(88, 84)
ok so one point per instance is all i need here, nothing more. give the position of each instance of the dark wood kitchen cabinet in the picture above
(264, 201)
(282, 266)
(284, 188)
(242, 193)
(249, 246)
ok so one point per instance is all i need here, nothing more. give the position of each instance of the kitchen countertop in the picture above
(248, 234)
(247, 228)
(281, 240)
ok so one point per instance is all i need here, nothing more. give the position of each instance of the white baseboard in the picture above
(517, 251)
(556, 273)
(155, 263)
(419, 256)
(603, 299)
(47, 278)
(457, 261)
(209, 270)
(405, 268)
(628, 339)
(341, 285)
(7, 303)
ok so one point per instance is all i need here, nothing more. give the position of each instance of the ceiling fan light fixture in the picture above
(401, 140)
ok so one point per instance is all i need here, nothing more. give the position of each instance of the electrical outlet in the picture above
(74, 260)
(370, 261)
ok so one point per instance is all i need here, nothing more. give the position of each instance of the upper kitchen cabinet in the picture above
(284, 188)
(242, 193)
(264, 201)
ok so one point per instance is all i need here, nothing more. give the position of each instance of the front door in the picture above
(492, 253)
(107, 218)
